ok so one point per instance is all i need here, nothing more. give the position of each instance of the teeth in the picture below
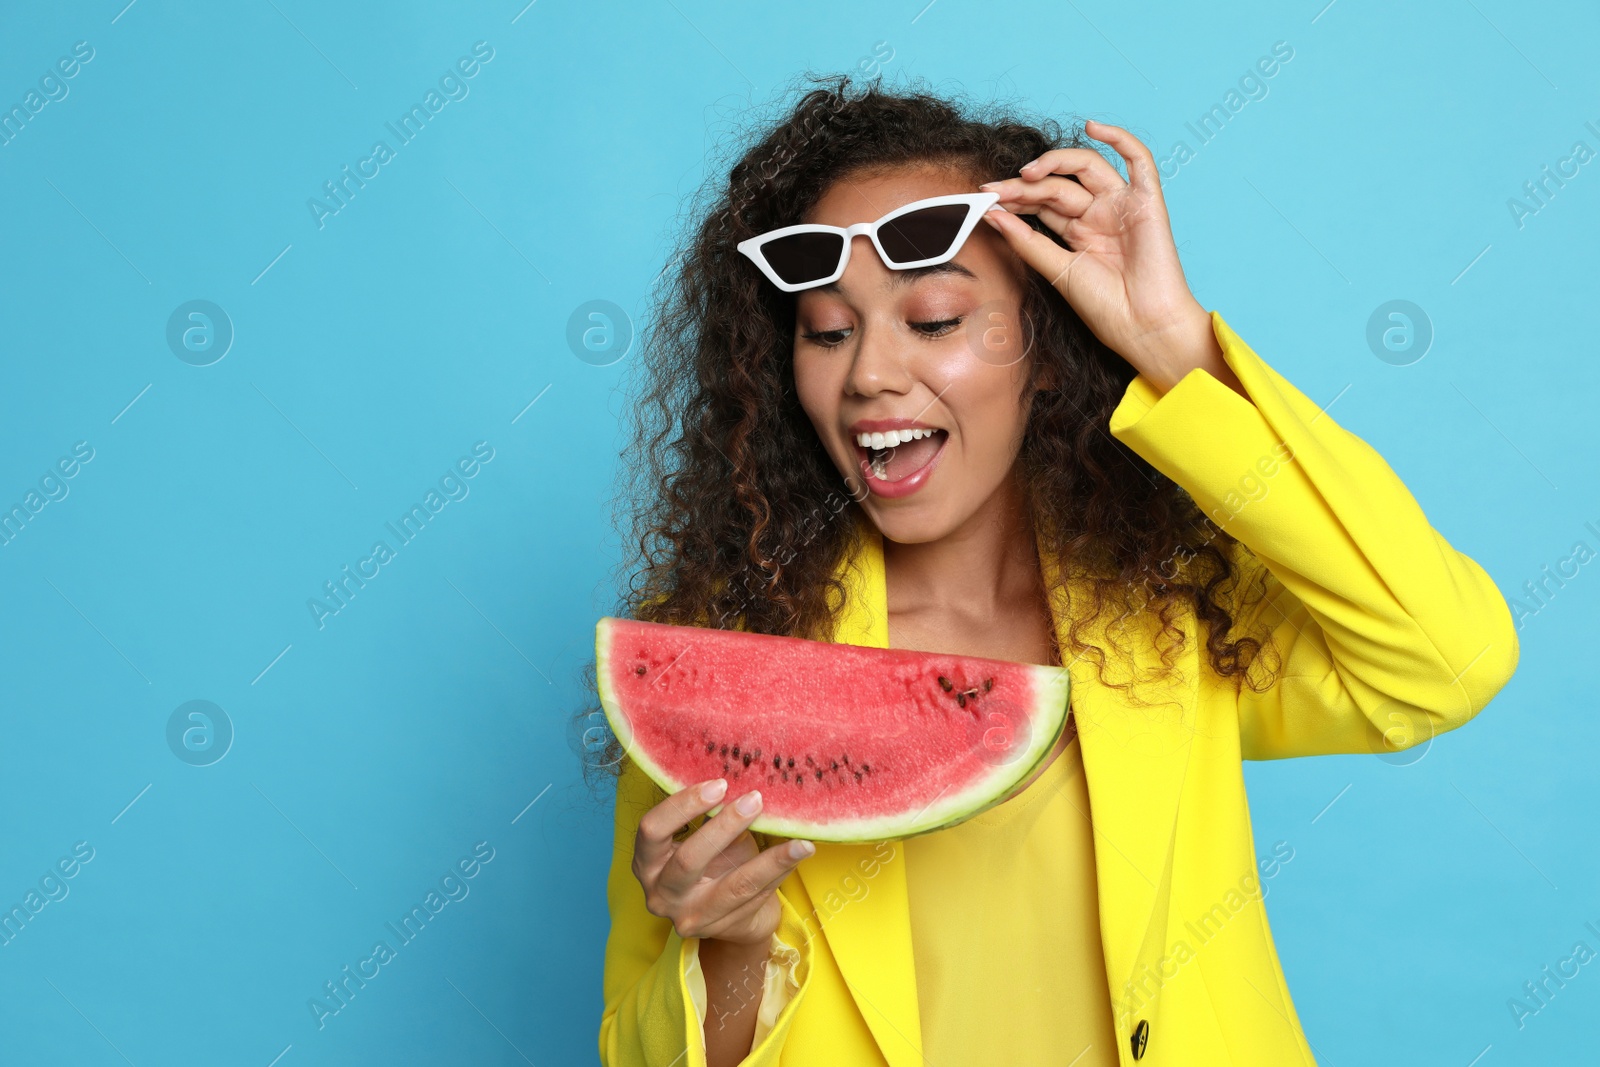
(893, 438)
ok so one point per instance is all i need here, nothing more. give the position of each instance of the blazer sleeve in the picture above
(653, 989)
(1385, 635)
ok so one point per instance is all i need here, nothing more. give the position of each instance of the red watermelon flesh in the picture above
(845, 742)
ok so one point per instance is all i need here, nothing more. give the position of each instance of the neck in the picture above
(989, 562)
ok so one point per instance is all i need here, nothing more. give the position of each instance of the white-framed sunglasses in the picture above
(918, 234)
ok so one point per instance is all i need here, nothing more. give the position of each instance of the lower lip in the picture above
(905, 486)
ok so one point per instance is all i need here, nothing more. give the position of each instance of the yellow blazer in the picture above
(1387, 635)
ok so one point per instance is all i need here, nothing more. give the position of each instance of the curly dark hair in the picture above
(740, 516)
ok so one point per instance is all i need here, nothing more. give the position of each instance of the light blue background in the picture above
(370, 354)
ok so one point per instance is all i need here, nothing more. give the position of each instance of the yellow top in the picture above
(1005, 931)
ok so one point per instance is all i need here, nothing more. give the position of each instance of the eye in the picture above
(834, 338)
(936, 329)
(827, 338)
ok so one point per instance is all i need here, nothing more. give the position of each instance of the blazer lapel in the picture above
(869, 934)
(1135, 757)
(1134, 762)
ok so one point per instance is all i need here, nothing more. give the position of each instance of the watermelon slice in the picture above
(846, 743)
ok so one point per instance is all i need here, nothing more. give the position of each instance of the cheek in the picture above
(990, 416)
(816, 390)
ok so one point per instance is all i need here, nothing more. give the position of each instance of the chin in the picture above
(909, 524)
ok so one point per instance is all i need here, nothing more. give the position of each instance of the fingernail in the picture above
(1026, 165)
(801, 849)
(713, 790)
(989, 185)
(748, 803)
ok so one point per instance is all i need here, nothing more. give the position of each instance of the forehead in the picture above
(871, 195)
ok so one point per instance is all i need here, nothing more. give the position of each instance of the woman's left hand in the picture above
(1120, 271)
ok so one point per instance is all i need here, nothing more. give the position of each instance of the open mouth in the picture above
(902, 466)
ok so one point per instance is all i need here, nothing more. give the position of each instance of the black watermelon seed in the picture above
(724, 766)
(711, 746)
(808, 761)
(858, 776)
(735, 751)
(639, 669)
(777, 761)
(791, 761)
(835, 766)
(866, 768)
(819, 776)
(746, 758)
(786, 776)
(724, 750)
(961, 699)
(845, 758)
(944, 683)
(988, 683)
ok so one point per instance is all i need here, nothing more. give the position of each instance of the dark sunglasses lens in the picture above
(923, 234)
(804, 257)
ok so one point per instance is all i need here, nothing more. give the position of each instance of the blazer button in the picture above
(1140, 1038)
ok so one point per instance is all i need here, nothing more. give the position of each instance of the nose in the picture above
(878, 357)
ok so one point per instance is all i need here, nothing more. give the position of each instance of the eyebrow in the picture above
(902, 278)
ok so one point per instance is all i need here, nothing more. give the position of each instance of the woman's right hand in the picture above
(717, 882)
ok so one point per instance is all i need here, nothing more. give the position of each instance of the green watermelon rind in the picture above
(1047, 716)
(1046, 680)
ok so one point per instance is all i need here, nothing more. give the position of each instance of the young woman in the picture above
(1078, 465)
